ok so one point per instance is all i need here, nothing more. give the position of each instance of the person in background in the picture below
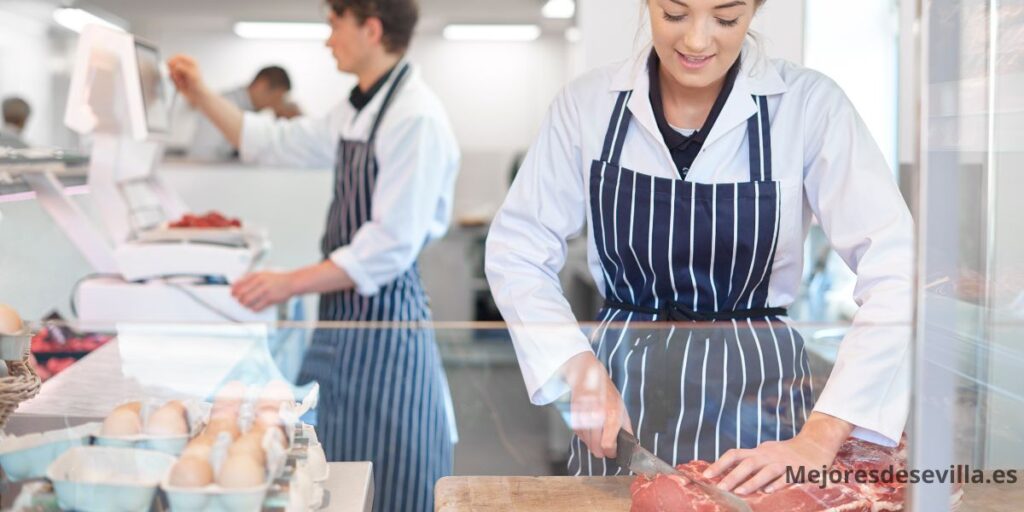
(287, 110)
(383, 393)
(268, 90)
(16, 112)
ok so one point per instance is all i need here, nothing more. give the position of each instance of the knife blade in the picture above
(640, 461)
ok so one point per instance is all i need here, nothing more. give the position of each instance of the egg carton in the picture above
(104, 479)
(27, 457)
(172, 445)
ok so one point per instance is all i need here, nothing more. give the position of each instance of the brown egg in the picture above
(135, 406)
(252, 444)
(122, 422)
(168, 420)
(274, 394)
(191, 472)
(199, 447)
(231, 393)
(10, 321)
(218, 425)
(240, 471)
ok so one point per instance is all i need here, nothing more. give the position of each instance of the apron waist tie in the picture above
(674, 311)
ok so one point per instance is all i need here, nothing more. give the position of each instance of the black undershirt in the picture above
(359, 99)
(684, 149)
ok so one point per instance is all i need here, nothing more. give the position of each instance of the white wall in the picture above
(25, 63)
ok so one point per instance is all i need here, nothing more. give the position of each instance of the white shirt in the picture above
(418, 159)
(829, 167)
(206, 142)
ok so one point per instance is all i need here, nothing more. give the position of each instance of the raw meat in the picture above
(210, 220)
(673, 494)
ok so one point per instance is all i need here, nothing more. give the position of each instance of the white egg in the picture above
(251, 444)
(240, 471)
(10, 321)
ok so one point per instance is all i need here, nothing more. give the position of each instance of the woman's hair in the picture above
(398, 17)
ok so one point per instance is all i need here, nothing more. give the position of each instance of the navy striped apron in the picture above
(724, 371)
(382, 391)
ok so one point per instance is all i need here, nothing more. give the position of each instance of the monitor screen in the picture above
(157, 111)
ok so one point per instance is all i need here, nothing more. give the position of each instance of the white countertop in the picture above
(349, 487)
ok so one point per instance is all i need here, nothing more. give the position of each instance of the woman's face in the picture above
(699, 40)
(349, 41)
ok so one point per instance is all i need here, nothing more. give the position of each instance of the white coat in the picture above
(418, 159)
(829, 167)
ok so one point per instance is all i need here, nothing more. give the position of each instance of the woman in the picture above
(383, 393)
(695, 169)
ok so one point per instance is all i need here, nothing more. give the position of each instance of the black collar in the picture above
(674, 139)
(360, 99)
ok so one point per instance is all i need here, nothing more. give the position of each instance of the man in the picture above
(16, 112)
(268, 90)
(395, 160)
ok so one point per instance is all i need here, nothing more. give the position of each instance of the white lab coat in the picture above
(829, 167)
(418, 159)
(197, 136)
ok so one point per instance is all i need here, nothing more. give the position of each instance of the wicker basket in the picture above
(21, 383)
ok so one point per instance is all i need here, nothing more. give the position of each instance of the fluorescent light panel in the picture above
(282, 30)
(77, 19)
(559, 9)
(514, 33)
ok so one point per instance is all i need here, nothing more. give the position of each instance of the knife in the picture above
(640, 461)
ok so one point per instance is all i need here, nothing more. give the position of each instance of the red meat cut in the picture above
(674, 494)
(212, 219)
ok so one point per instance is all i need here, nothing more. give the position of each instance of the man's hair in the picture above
(16, 111)
(398, 17)
(275, 76)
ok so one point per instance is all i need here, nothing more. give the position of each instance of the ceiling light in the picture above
(77, 19)
(518, 33)
(559, 9)
(282, 30)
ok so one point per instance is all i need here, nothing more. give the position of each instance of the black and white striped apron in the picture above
(725, 371)
(382, 391)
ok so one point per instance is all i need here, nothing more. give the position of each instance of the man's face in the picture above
(264, 96)
(350, 41)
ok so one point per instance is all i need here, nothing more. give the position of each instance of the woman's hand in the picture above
(260, 290)
(598, 411)
(764, 467)
(188, 79)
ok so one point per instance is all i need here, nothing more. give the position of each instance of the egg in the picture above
(274, 394)
(218, 425)
(231, 393)
(191, 472)
(135, 407)
(168, 420)
(10, 321)
(121, 422)
(240, 471)
(199, 448)
(252, 444)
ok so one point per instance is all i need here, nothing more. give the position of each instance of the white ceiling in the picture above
(215, 15)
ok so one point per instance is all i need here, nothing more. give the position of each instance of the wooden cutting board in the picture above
(532, 494)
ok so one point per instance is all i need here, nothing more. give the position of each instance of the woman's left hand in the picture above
(750, 470)
(260, 290)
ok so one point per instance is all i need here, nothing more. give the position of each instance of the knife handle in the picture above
(625, 444)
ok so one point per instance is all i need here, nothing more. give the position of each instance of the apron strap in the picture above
(759, 141)
(673, 311)
(387, 100)
(615, 138)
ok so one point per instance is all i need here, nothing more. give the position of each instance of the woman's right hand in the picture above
(598, 411)
(187, 78)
